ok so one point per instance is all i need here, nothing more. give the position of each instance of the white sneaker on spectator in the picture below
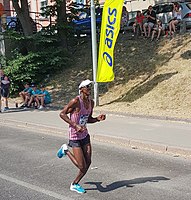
(41, 107)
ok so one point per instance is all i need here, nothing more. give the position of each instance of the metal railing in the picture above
(10, 20)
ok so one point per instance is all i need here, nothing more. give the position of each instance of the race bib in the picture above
(83, 120)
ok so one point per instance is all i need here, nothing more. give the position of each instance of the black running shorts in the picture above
(79, 143)
(4, 92)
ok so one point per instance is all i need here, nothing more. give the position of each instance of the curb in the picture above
(144, 145)
(157, 117)
(34, 127)
(124, 142)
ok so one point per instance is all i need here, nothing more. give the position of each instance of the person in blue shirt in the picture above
(34, 96)
(44, 98)
(25, 94)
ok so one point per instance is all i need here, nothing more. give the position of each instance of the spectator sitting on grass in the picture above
(34, 97)
(176, 18)
(138, 22)
(44, 98)
(158, 29)
(25, 94)
(151, 21)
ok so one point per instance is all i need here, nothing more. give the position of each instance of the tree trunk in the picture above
(62, 21)
(22, 11)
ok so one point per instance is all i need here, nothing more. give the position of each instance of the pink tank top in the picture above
(81, 118)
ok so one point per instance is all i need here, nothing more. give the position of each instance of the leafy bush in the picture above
(34, 58)
(35, 67)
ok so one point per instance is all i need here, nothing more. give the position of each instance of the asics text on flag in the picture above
(110, 27)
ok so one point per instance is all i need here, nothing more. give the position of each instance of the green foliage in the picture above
(38, 56)
(2, 60)
(36, 66)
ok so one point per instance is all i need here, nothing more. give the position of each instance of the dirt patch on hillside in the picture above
(159, 85)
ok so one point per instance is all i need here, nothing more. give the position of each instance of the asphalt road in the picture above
(30, 170)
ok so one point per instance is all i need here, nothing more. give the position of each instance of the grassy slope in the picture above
(151, 78)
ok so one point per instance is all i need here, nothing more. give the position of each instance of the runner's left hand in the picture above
(101, 117)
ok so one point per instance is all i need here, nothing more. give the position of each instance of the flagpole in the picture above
(94, 52)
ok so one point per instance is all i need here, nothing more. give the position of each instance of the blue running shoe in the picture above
(61, 151)
(77, 188)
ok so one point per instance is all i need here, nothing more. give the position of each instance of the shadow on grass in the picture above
(125, 183)
(132, 95)
(134, 59)
(186, 55)
(143, 88)
(141, 58)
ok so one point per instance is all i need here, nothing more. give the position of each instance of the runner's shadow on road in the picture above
(125, 183)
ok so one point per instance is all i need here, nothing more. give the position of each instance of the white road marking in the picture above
(35, 188)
